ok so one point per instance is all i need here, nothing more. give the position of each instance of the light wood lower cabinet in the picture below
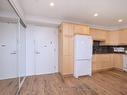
(118, 61)
(107, 61)
(102, 61)
(67, 55)
(68, 65)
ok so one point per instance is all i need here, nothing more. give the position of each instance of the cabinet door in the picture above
(81, 29)
(96, 63)
(68, 65)
(68, 29)
(71, 46)
(111, 60)
(123, 37)
(106, 61)
(60, 45)
(102, 61)
(112, 38)
(118, 61)
(98, 34)
(96, 66)
(67, 45)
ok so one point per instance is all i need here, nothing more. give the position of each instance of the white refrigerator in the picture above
(82, 55)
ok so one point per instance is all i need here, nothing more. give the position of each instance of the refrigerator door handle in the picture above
(82, 59)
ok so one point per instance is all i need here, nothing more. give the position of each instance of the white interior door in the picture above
(45, 51)
(8, 54)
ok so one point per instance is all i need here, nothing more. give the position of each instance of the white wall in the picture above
(31, 29)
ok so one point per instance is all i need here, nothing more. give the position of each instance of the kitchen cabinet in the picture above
(99, 35)
(102, 62)
(66, 48)
(66, 45)
(123, 37)
(67, 29)
(81, 29)
(96, 64)
(112, 38)
(118, 61)
(67, 55)
(117, 37)
(107, 61)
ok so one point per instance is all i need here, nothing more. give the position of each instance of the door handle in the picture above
(13, 53)
(37, 52)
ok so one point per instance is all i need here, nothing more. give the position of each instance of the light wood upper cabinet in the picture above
(118, 37)
(98, 34)
(81, 29)
(123, 37)
(112, 38)
(68, 29)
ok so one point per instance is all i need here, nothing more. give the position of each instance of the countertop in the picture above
(110, 53)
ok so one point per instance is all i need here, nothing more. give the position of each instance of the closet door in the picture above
(8, 51)
(9, 78)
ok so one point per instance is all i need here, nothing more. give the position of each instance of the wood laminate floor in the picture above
(8, 87)
(105, 83)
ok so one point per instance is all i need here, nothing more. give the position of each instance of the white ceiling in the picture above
(78, 11)
(7, 13)
(5, 6)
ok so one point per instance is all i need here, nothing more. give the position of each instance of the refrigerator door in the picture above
(83, 47)
(82, 67)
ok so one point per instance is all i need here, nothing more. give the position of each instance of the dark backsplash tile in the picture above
(97, 49)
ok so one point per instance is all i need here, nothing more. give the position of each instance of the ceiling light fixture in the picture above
(96, 14)
(120, 20)
(52, 4)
